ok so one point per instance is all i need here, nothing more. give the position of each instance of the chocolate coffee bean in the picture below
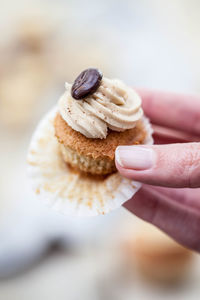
(86, 83)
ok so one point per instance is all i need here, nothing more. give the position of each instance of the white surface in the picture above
(92, 275)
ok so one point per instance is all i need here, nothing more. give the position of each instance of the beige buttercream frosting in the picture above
(113, 106)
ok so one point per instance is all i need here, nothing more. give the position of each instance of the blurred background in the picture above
(44, 255)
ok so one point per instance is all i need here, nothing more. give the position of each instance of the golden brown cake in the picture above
(95, 156)
(89, 129)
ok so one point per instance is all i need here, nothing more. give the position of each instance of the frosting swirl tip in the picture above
(112, 106)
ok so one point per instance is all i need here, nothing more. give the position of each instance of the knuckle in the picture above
(193, 155)
(191, 165)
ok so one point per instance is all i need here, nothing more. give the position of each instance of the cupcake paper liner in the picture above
(71, 193)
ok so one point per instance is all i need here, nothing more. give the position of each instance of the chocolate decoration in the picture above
(86, 83)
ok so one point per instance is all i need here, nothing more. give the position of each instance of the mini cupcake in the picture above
(95, 116)
(156, 256)
(71, 156)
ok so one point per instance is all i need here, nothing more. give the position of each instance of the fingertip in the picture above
(135, 157)
(118, 160)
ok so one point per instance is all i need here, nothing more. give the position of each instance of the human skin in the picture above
(170, 169)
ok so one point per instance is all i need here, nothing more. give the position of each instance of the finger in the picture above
(175, 165)
(181, 223)
(185, 196)
(172, 110)
(163, 135)
(161, 138)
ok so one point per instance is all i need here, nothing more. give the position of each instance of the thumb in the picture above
(174, 165)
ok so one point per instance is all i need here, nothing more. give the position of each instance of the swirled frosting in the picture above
(113, 106)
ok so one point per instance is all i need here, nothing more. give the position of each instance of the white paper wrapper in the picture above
(68, 192)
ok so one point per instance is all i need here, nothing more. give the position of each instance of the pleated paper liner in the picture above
(70, 192)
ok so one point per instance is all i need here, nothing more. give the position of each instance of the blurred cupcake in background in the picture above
(34, 34)
(35, 60)
(25, 72)
(157, 257)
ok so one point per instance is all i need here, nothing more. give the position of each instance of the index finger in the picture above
(177, 111)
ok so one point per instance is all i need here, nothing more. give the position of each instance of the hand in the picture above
(170, 170)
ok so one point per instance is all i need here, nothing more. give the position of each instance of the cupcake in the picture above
(95, 116)
(72, 153)
(158, 258)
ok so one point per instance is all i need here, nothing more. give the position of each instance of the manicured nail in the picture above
(135, 157)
